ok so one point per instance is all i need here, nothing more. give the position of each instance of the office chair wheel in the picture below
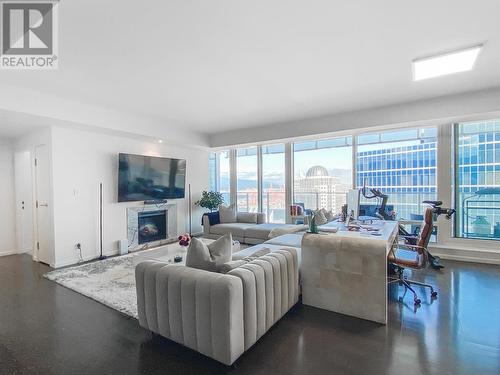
(434, 294)
(417, 301)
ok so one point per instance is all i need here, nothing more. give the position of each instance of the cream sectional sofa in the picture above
(243, 230)
(218, 315)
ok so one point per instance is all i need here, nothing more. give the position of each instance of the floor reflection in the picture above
(46, 328)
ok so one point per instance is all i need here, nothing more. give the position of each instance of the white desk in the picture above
(346, 272)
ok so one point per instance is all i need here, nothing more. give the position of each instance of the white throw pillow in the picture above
(198, 256)
(330, 216)
(208, 258)
(227, 214)
(320, 217)
(221, 250)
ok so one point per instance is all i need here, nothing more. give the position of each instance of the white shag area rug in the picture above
(110, 282)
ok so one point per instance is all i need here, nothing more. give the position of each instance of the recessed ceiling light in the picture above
(160, 140)
(448, 63)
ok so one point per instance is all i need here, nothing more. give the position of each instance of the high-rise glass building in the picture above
(401, 164)
(477, 185)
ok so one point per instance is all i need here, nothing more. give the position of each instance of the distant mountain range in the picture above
(276, 180)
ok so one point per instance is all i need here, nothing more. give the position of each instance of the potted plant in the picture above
(210, 199)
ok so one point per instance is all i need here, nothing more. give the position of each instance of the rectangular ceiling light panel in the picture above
(440, 65)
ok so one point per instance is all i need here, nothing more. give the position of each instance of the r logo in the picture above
(29, 34)
(27, 29)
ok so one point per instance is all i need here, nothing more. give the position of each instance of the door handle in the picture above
(43, 205)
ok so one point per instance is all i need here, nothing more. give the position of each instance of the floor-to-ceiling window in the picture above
(322, 172)
(247, 197)
(223, 178)
(477, 190)
(212, 171)
(273, 183)
(401, 164)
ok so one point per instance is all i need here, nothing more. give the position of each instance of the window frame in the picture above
(445, 176)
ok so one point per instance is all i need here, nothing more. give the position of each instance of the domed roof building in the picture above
(317, 171)
(317, 189)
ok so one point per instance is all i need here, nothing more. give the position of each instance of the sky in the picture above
(274, 164)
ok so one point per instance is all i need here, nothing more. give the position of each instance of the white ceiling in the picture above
(227, 64)
(13, 125)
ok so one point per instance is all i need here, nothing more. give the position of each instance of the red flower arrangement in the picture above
(184, 239)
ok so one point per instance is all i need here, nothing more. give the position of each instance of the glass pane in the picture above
(478, 180)
(402, 165)
(323, 174)
(246, 171)
(223, 177)
(212, 171)
(273, 183)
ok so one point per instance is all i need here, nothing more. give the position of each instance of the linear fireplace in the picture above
(152, 226)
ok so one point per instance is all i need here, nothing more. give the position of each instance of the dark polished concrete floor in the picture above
(48, 329)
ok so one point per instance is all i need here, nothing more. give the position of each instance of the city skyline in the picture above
(400, 166)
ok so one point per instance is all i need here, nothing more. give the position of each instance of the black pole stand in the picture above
(101, 257)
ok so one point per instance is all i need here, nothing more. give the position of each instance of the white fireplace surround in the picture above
(133, 224)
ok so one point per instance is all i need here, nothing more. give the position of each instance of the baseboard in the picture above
(466, 255)
(75, 261)
(5, 253)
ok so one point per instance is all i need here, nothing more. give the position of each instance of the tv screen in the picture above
(143, 178)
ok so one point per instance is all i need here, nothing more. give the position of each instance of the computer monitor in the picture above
(353, 197)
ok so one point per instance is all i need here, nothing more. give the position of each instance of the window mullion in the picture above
(260, 185)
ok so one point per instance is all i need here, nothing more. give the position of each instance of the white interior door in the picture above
(42, 201)
(24, 201)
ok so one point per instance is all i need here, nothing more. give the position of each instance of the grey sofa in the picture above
(243, 230)
(218, 315)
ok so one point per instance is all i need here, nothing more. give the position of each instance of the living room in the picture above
(271, 191)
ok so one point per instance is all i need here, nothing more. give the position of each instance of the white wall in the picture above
(81, 160)
(7, 213)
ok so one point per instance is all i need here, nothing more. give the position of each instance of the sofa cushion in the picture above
(229, 266)
(246, 217)
(227, 214)
(208, 257)
(288, 240)
(283, 229)
(236, 229)
(261, 252)
(261, 230)
(250, 251)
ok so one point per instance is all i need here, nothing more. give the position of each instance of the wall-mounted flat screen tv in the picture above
(142, 178)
